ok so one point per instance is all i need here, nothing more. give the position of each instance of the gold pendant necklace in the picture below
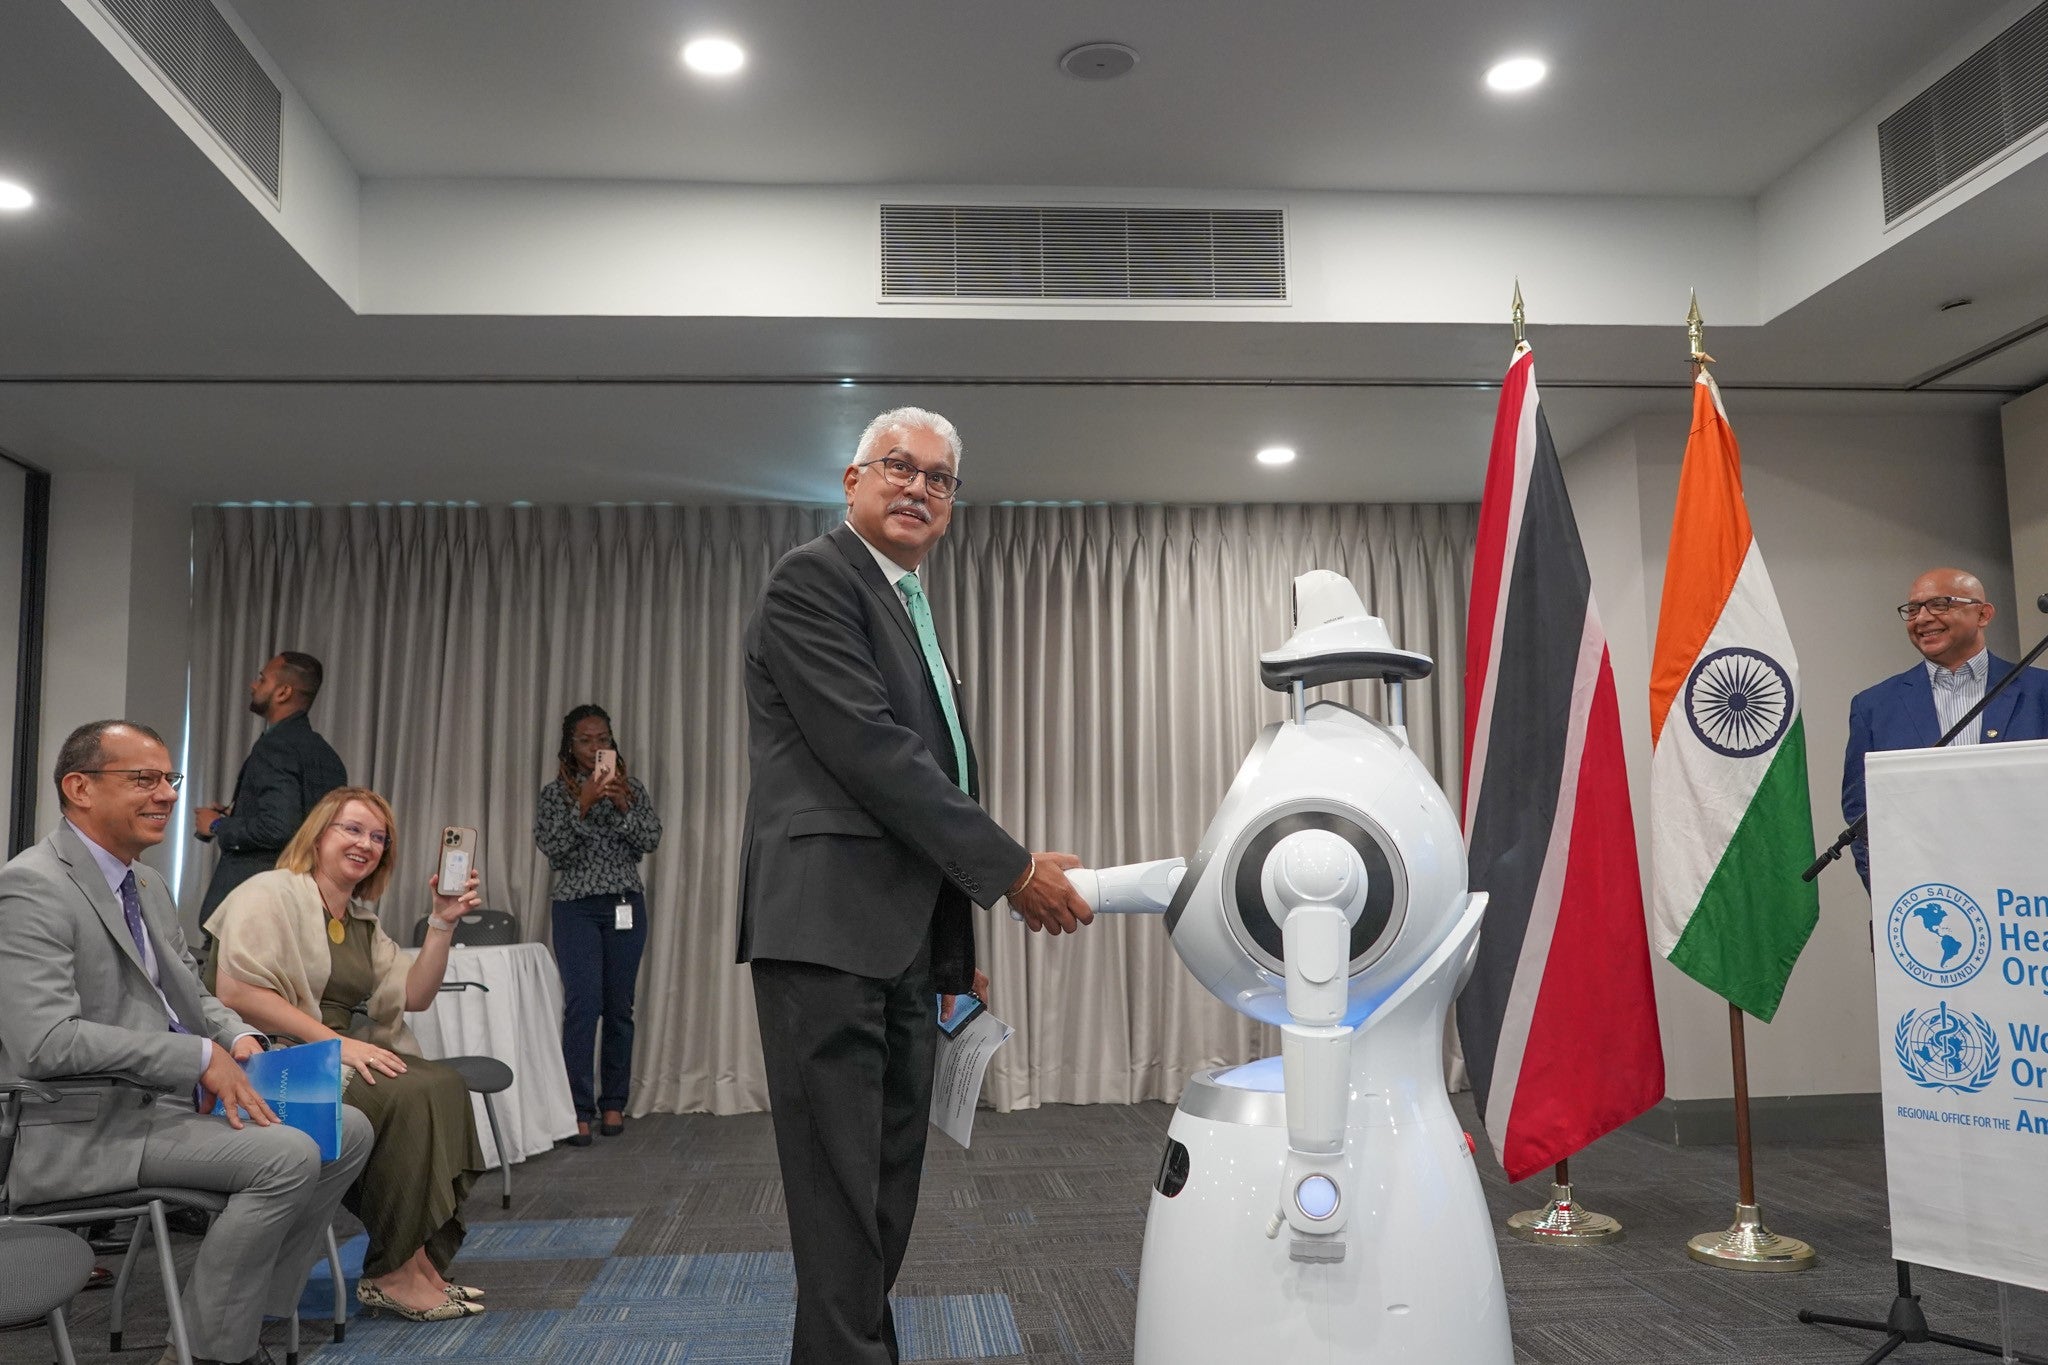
(336, 934)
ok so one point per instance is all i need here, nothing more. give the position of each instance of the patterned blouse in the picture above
(597, 854)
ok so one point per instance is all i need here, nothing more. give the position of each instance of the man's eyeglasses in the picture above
(143, 779)
(902, 473)
(1940, 606)
(356, 831)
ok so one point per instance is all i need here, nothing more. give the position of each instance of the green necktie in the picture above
(935, 664)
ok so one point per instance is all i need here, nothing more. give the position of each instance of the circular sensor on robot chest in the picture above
(1316, 1197)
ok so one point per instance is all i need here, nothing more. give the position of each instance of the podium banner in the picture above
(1959, 914)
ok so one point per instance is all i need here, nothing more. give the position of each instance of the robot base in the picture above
(1420, 1280)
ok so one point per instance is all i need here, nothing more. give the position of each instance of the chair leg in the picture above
(504, 1156)
(121, 1285)
(161, 1230)
(340, 1286)
(61, 1338)
(291, 1338)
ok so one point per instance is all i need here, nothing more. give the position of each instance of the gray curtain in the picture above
(1109, 657)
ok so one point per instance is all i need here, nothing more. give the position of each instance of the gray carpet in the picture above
(1031, 1240)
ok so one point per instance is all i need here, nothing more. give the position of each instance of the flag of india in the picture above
(1731, 826)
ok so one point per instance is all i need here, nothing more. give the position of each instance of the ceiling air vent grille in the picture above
(1996, 97)
(205, 61)
(1083, 253)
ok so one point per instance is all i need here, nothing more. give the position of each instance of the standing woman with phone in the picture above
(594, 823)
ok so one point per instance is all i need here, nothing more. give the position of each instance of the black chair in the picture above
(40, 1270)
(480, 928)
(146, 1206)
(486, 1076)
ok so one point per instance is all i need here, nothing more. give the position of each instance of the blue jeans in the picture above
(599, 966)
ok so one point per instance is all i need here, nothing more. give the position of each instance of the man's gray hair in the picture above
(907, 419)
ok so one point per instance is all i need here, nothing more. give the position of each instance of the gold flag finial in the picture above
(1696, 334)
(1516, 313)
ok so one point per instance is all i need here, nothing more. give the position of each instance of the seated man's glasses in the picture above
(902, 473)
(144, 779)
(356, 831)
(1940, 606)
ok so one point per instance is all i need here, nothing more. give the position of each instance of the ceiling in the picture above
(1646, 96)
(157, 324)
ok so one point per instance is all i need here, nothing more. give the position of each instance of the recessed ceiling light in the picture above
(1516, 73)
(13, 197)
(714, 56)
(846, 383)
(1277, 455)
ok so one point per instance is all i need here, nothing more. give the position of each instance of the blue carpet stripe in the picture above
(951, 1326)
(729, 1277)
(722, 1309)
(558, 1239)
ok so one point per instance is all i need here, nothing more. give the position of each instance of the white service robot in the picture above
(1321, 1206)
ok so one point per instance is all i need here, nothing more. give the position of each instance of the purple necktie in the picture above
(131, 910)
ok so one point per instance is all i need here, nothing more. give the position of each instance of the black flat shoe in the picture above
(612, 1129)
(580, 1138)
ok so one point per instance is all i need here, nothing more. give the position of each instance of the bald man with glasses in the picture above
(1945, 614)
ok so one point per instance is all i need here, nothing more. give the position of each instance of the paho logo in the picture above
(1938, 935)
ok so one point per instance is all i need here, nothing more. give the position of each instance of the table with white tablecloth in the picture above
(518, 1021)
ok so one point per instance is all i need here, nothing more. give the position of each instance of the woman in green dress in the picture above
(300, 952)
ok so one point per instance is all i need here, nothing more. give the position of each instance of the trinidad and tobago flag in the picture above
(1559, 1023)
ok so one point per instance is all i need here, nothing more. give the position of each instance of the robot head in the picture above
(1331, 808)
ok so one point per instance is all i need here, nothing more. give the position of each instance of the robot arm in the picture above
(1316, 875)
(1133, 889)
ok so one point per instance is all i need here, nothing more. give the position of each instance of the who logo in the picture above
(1942, 1049)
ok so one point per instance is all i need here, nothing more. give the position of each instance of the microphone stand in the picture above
(1907, 1320)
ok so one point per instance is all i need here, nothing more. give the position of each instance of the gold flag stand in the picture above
(1562, 1222)
(1746, 1244)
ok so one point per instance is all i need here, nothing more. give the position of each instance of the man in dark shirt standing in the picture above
(289, 769)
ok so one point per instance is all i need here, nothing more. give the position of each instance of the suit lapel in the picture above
(1916, 707)
(855, 552)
(86, 876)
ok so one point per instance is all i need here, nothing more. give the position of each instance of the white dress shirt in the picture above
(1956, 691)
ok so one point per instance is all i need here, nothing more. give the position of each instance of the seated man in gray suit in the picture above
(95, 977)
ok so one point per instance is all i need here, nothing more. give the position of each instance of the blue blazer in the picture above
(1898, 713)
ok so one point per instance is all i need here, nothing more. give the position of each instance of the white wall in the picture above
(118, 618)
(2024, 426)
(1848, 508)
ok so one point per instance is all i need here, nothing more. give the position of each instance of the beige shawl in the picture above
(272, 932)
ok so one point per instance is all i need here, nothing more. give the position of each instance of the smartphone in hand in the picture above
(606, 766)
(458, 856)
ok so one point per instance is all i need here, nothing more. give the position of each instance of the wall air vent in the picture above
(1996, 97)
(205, 61)
(1083, 253)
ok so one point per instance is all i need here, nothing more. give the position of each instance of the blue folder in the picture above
(303, 1086)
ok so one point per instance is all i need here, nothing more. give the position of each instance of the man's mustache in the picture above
(911, 505)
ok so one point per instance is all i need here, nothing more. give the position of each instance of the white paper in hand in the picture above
(967, 1039)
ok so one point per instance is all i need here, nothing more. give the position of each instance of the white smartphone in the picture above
(458, 856)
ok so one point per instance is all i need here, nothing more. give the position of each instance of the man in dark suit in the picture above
(1945, 615)
(286, 773)
(96, 979)
(865, 845)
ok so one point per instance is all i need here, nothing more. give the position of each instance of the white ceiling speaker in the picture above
(1098, 61)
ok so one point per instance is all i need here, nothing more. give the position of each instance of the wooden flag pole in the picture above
(1746, 1244)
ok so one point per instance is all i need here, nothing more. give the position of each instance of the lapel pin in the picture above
(1991, 734)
